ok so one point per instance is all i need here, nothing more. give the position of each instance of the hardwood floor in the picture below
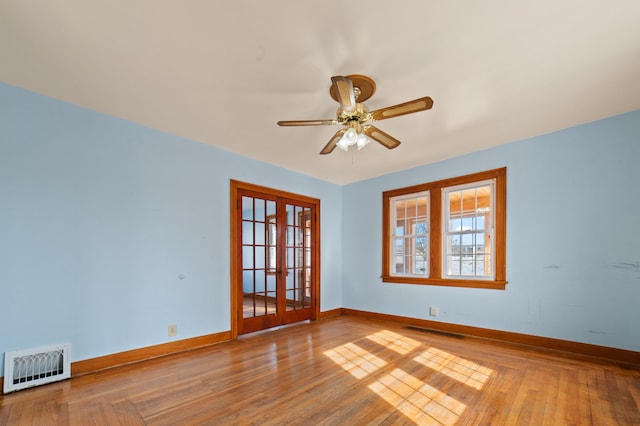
(342, 371)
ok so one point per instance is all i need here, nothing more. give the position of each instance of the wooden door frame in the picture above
(235, 226)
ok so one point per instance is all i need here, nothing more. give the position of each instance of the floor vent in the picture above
(35, 367)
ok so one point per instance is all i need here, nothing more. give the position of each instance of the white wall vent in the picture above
(34, 367)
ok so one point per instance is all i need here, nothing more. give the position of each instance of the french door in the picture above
(274, 256)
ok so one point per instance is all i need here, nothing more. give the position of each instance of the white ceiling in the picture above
(223, 73)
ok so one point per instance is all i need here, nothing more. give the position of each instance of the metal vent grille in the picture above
(34, 367)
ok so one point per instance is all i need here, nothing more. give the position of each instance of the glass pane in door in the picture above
(299, 261)
(258, 257)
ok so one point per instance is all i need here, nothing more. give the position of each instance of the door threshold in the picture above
(268, 330)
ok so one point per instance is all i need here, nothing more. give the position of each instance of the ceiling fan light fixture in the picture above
(353, 137)
(362, 141)
(343, 145)
(349, 138)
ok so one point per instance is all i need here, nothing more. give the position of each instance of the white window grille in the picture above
(409, 234)
(468, 231)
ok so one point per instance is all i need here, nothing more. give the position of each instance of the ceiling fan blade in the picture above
(328, 148)
(307, 122)
(421, 104)
(381, 137)
(343, 88)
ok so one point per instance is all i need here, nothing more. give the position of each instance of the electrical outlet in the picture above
(172, 330)
(433, 311)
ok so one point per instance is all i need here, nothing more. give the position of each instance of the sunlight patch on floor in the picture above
(417, 400)
(460, 369)
(355, 360)
(411, 396)
(394, 341)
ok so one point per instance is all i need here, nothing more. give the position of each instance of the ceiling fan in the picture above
(350, 92)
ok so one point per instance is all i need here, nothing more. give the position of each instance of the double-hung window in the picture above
(450, 232)
(410, 224)
(467, 237)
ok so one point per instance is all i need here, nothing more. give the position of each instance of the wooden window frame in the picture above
(435, 190)
(408, 235)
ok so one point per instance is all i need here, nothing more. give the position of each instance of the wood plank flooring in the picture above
(342, 371)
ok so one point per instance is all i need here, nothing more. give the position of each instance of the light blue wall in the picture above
(573, 239)
(99, 217)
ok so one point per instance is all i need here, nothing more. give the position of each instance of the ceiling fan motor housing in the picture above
(360, 114)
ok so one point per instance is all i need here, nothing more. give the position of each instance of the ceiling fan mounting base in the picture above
(366, 85)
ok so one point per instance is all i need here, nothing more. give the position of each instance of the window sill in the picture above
(492, 285)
